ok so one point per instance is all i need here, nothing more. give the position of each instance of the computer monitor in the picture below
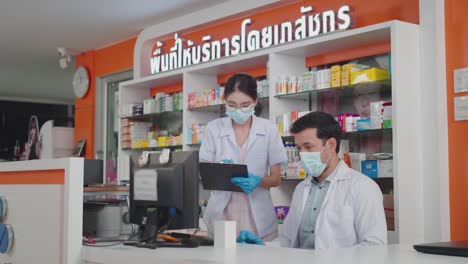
(164, 196)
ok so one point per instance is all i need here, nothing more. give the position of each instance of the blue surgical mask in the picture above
(240, 116)
(312, 163)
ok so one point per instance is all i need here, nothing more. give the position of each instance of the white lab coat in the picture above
(351, 214)
(265, 148)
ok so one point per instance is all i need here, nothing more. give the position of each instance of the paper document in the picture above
(461, 108)
(145, 185)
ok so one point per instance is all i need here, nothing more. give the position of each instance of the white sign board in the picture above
(145, 185)
(460, 77)
(461, 108)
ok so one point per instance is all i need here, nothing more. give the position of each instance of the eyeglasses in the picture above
(244, 109)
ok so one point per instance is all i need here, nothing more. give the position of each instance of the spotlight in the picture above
(64, 62)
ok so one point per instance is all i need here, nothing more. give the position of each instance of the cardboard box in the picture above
(363, 124)
(346, 71)
(387, 115)
(376, 119)
(336, 76)
(149, 106)
(385, 168)
(356, 159)
(369, 168)
(369, 75)
(377, 168)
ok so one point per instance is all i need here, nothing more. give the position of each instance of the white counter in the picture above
(45, 209)
(250, 254)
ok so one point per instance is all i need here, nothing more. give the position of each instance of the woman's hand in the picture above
(247, 184)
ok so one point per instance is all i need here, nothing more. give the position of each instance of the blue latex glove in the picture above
(227, 161)
(247, 237)
(247, 184)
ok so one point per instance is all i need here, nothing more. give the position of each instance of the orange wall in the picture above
(120, 56)
(100, 62)
(456, 33)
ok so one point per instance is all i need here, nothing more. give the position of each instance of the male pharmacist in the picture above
(335, 206)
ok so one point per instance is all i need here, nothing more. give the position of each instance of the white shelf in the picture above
(162, 79)
(289, 59)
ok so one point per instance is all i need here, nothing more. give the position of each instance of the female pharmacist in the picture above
(244, 138)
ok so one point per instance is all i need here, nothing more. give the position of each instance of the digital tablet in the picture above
(217, 176)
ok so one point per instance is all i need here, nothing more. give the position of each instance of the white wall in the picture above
(434, 107)
(36, 82)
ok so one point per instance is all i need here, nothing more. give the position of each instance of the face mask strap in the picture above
(329, 154)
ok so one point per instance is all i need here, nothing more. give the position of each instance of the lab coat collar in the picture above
(339, 174)
(255, 129)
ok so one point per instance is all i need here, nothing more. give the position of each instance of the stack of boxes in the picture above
(380, 115)
(335, 77)
(131, 109)
(284, 121)
(137, 134)
(207, 97)
(195, 133)
(262, 88)
(292, 168)
(163, 102)
(134, 133)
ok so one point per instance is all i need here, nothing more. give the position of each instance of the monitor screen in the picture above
(171, 189)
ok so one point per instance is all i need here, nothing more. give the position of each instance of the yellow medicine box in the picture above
(369, 75)
(336, 76)
(346, 71)
(161, 141)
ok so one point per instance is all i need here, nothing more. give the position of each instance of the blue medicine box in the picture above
(363, 124)
(369, 168)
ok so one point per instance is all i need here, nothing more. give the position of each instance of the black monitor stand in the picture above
(148, 238)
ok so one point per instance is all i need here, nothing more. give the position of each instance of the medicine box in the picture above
(377, 168)
(346, 71)
(336, 76)
(363, 124)
(369, 75)
(387, 115)
(149, 106)
(369, 168)
(376, 111)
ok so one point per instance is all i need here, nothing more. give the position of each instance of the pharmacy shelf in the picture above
(366, 132)
(289, 60)
(348, 90)
(153, 115)
(217, 107)
(351, 134)
(154, 148)
(209, 108)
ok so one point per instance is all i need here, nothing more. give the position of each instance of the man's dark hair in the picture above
(326, 125)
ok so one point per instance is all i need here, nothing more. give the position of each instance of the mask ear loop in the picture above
(329, 154)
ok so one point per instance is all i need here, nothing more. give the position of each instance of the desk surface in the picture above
(244, 254)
